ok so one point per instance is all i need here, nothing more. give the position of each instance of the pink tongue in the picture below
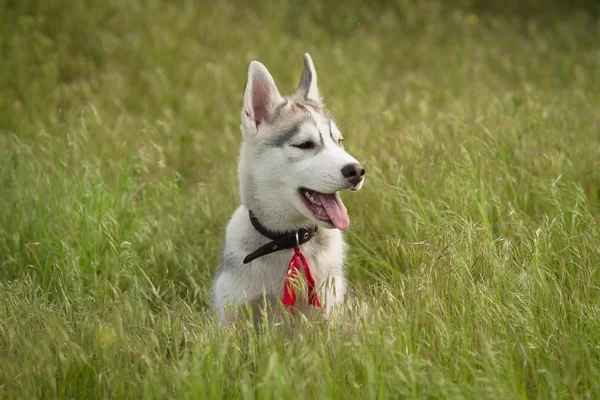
(336, 210)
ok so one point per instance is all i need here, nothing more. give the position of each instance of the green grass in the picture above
(475, 241)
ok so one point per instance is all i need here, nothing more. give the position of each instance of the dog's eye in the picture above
(305, 145)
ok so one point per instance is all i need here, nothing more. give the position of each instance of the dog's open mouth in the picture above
(326, 207)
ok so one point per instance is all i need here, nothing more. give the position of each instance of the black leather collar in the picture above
(280, 241)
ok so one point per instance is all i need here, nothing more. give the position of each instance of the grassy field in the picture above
(475, 241)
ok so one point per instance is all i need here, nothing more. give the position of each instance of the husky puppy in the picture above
(292, 166)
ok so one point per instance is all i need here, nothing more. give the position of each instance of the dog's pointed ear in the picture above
(307, 89)
(260, 97)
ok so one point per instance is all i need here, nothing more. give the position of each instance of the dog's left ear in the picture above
(260, 97)
(307, 89)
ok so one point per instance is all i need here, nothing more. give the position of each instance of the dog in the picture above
(292, 165)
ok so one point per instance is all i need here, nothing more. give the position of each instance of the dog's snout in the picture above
(354, 173)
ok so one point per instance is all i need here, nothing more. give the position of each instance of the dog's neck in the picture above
(275, 218)
(279, 241)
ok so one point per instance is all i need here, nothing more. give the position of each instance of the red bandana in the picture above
(289, 295)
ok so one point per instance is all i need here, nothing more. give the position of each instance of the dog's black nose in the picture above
(354, 173)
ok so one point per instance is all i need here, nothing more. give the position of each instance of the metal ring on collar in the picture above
(297, 240)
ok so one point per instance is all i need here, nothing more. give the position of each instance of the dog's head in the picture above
(293, 162)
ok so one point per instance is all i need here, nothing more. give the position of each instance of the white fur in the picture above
(270, 177)
(266, 275)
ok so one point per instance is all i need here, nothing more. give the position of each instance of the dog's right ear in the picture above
(260, 97)
(307, 88)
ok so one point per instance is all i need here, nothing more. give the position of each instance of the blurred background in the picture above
(139, 101)
(478, 123)
(155, 87)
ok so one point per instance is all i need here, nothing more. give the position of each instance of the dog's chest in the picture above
(324, 258)
(323, 253)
